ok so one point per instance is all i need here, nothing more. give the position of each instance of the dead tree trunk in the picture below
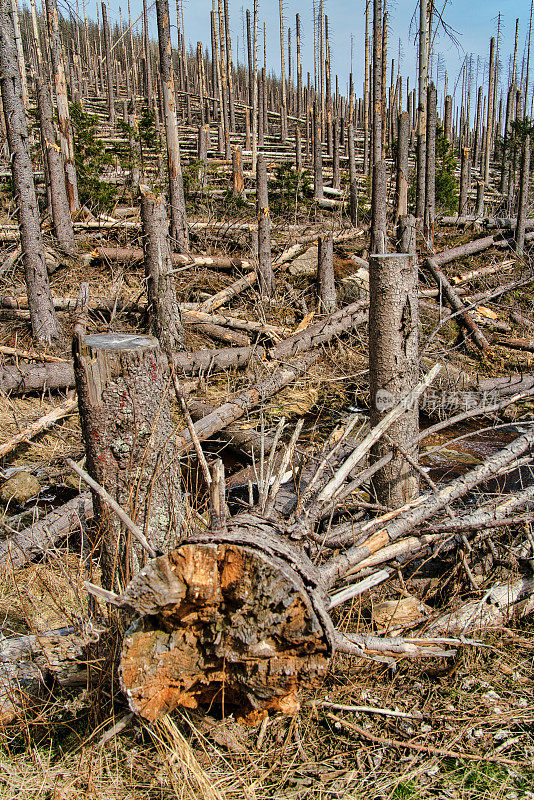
(465, 175)
(238, 185)
(403, 141)
(265, 269)
(325, 274)
(393, 367)
(522, 208)
(421, 112)
(58, 193)
(43, 317)
(430, 177)
(318, 193)
(353, 184)
(163, 310)
(109, 65)
(379, 209)
(60, 85)
(127, 430)
(179, 229)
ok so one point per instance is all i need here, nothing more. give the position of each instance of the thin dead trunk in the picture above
(179, 229)
(44, 322)
(65, 130)
(163, 310)
(393, 368)
(401, 192)
(56, 173)
(522, 208)
(325, 274)
(109, 65)
(353, 184)
(430, 177)
(265, 269)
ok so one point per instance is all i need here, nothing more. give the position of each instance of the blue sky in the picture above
(474, 22)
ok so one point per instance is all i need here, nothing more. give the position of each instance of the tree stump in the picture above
(127, 429)
(235, 618)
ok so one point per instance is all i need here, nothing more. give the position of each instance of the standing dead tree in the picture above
(43, 317)
(179, 228)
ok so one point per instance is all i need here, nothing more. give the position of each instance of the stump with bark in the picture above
(123, 399)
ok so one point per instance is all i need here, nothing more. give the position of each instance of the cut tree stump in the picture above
(236, 617)
(128, 434)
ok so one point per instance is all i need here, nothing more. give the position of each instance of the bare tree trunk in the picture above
(146, 51)
(109, 64)
(283, 110)
(523, 197)
(489, 122)
(421, 117)
(65, 130)
(179, 229)
(353, 188)
(325, 274)
(43, 318)
(366, 103)
(379, 209)
(20, 53)
(127, 430)
(336, 176)
(401, 192)
(430, 178)
(317, 157)
(58, 193)
(163, 310)
(238, 185)
(407, 234)
(266, 274)
(448, 118)
(465, 175)
(393, 368)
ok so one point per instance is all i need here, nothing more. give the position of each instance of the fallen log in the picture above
(250, 398)
(44, 535)
(134, 255)
(223, 334)
(504, 223)
(40, 425)
(463, 250)
(24, 378)
(521, 319)
(463, 315)
(499, 605)
(526, 345)
(219, 299)
(341, 321)
(30, 664)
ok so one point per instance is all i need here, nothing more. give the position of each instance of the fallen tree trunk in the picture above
(526, 345)
(134, 255)
(463, 250)
(29, 664)
(463, 316)
(497, 607)
(38, 377)
(40, 425)
(323, 331)
(44, 535)
(250, 398)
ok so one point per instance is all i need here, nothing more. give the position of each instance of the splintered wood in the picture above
(235, 623)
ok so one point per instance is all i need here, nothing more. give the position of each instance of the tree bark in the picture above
(265, 269)
(379, 209)
(179, 229)
(353, 184)
(522, 208)
(56, 172)
(430, 177)
(238, 185)
(109, 65)
(163, 310)
(44, 322)
(65, 130)
(393, 367)
(325, 274)
(401, 192)
(127, 429)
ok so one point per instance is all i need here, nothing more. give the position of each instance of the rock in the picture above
(20, 488)
(306, 263)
